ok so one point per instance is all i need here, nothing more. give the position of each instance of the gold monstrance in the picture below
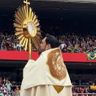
(27, 27)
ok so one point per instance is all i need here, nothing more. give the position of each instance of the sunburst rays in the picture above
(27, 27)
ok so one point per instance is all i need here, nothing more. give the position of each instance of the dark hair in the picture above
(50, 39)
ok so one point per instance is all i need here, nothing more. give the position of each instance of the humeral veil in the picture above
(47, 76)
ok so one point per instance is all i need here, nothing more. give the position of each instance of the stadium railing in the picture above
(84, 94)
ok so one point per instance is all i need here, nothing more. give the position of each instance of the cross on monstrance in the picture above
(26, 2)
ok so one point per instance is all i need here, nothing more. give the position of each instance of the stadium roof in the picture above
(68, 14)
(80, 1)
(45, 5)
(16, 3)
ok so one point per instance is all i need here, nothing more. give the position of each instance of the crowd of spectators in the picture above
(8, 88)
(78, 43)
(69, 43)
(9, 42)
(89, 89)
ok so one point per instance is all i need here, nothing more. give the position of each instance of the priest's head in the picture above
(48, 42)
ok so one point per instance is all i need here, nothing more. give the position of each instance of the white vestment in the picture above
(41, 78)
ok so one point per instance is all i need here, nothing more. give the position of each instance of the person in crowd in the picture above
(3, 88)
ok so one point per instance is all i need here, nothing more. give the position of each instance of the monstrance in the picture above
(27, 27)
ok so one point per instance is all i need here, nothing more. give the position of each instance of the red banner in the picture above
(22, 55)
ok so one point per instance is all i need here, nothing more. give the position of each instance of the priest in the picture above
(48, 75)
